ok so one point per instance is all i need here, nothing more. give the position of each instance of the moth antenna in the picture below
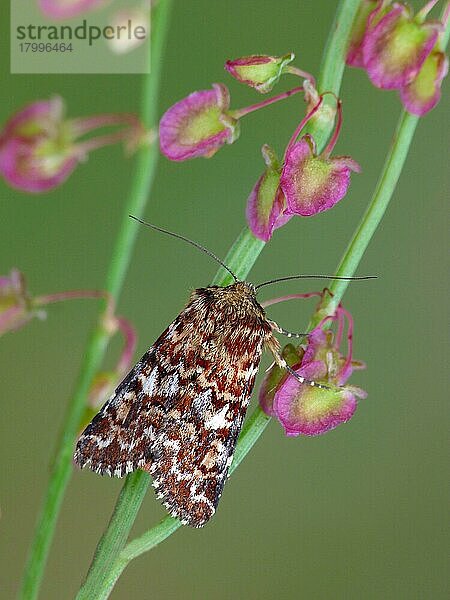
(185, 239)
(338, 277)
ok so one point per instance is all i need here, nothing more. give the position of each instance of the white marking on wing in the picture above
(148, 383)
(218, 420)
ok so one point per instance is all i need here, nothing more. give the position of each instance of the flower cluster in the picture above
(305, 183)
(203, 122)
(305, 410)
(400, 51)
(40, 148)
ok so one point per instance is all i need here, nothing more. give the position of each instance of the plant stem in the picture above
(142, 181)
(69, 295)
(240, 259)
(374, 213)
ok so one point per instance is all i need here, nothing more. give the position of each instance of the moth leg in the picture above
(289, 334)
(283, 364)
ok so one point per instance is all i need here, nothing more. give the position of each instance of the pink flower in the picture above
(424, 92)
(306, 184)
(365, 17)
(259, 71)
(395, 48)
(266, 203)
(36, 153)
(312, 183)
(39, 147)
(198, 125)
(65, 9)
(303, 409)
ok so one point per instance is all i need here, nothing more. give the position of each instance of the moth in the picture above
(178, 413)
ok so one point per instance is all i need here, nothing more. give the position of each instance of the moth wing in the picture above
(119, 438)
(194, 449)
(179, 412)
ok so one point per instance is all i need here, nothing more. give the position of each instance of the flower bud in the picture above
(259, 71)
(36, 151)
(15, 309)
(395, 48)
(424, 92)
(305, 410)
(368, 11)
(198, 125)
(266, 203)
(311, 183)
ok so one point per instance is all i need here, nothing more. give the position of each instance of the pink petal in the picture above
(34, 119)
(313, 184)
(21, 170)
(421, 94)
(391, 58)
(365, 14)
(265, 206)
(304, 410)
(194, 126)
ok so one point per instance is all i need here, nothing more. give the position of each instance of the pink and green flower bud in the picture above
(396, 47)
(312, 184)
(367, 11)
(36, 151)
(266, 203)
(198, 125)
(276, 375)
(66, 9)
(39, 147)
(15, 304)
(259, 71)
(305, 410)
(320, 114)
(424, 92)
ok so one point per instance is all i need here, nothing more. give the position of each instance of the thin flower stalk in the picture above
(241, 112)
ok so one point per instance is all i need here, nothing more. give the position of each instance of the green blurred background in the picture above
(357, 513)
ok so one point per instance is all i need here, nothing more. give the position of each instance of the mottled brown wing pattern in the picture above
(119, 438)
(179, 412)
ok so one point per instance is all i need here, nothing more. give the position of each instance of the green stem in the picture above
(142, 181)
(240, 259)
(374, 213)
